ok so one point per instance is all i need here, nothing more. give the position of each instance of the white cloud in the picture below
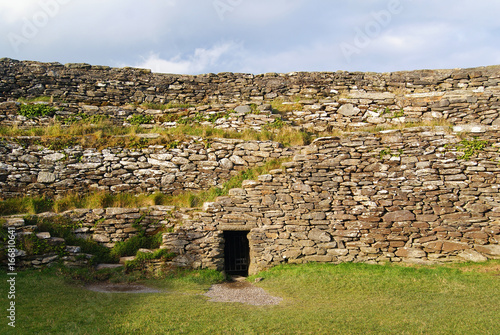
(17, 11)
(278, 36)
(202, 60)
(415, 37)
(11, 11)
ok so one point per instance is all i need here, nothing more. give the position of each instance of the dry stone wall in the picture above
(105, 226)
(383, 197)
(119, 86)
(195, 165)
(317, 101)
(414, 195)
(231, 117)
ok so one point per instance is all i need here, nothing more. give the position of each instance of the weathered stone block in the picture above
(100, 238)
(410, 253)
(226, 164)
(477, 208)
(299, 187)
(265, 178)
(337, 252)
(308, 251)
(46, 177)
(319, 235)
(477, 235)
(347, 233)
(111, 211)
(43, 235)
(449, 246)
(427, 218)
(490, 249)
(314, 216)
(292, 253)
(249, 183)
(318, 258)
(470, 255)
(238, 192)
(13, 222)
(348, 110)
(398, 216)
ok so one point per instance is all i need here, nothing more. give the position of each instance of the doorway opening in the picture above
(236, 253)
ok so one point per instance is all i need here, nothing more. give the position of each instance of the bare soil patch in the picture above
(242, 292)
(121, 288)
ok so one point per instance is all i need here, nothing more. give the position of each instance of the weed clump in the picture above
(470, 148)
(36, 110)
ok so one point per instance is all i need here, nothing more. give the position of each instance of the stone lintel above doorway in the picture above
(236, 227)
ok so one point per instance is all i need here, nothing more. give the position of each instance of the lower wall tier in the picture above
(397, 196)
(418, 195)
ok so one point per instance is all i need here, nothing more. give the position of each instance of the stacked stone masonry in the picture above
(386, 197)
(195, 165)
(389, 196)
(105, 226)
(324, 100)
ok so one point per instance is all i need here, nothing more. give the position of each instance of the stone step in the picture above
(108, 266)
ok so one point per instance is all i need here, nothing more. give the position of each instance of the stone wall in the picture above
(389, 196)
(194, 165)
(317, 101)
(105, 226)
(110, 225)
(232, 117)
(119, 86)
(383, 197)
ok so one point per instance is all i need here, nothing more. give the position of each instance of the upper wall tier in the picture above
(118, 86)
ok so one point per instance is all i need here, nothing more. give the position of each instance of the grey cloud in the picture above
(257, 35)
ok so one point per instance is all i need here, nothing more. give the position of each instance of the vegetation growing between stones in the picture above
(33, 245)
(82, 118)
(389, 152)
(37, 204)
(398, 114)
(100, 133)
(281, 106)
(138, 119)
(59, 226)
(130, 246)
(170, 105)
(139, 263)
(470, 148)
(199, 118)
(36, 110)
(36, 99)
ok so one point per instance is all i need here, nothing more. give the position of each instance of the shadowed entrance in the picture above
(236, 253)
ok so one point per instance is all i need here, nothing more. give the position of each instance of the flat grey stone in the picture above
(348, 110)
(46, 177)
(243, 109)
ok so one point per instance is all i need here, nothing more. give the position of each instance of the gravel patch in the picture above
(242, 292)
(121, 288)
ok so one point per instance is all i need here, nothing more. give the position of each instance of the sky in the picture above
(254, 36)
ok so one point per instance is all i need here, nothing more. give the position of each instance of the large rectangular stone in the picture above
(398, 216)
(120, 210)
(449, 246)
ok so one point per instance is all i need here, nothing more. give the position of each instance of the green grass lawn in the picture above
(318, 299)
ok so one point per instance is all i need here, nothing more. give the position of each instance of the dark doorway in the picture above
(236, 253)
